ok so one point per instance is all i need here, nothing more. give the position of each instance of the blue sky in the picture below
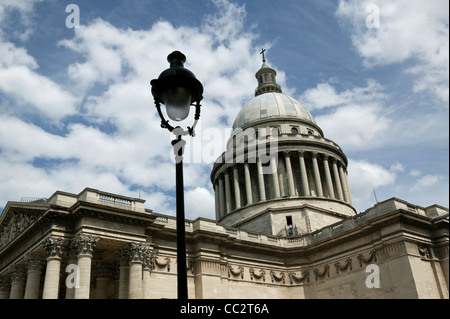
(76, 109)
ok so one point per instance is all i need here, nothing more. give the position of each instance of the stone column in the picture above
(136, 258)
(5, 284)
(317, 175)
(86, 246)
(337, 179)
(326, 168)
(227, 192)
(54, 249)
(248, 184)
(72, 253)
(348, 188)
(146, 270)
(237, 189)
(290, 175)
(262, 190)
(104, 273)
(303, 173)
(344, 184)
(217, 199)
(34, 262)
(124, 274)
(17, 282)
(222, 205)
(275, 181)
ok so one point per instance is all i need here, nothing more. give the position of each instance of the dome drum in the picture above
(278, 167)
(299, 176)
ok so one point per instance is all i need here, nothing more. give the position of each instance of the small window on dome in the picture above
(260, 79)
(310, 132)
(266, 77)
(294, 130)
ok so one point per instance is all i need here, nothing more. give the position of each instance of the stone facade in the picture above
(121, 250)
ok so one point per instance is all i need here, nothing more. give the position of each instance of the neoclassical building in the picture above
(285, 228)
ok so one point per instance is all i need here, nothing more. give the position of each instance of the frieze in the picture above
(424, 252)
(235, 273)
(154, 262)
(367, 260)
(304, 276)
(277, 278)
(320, 274)
(254, 274)
(347, 265)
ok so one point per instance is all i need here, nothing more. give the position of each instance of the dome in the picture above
(271, 105)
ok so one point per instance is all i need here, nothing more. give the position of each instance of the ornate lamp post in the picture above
(178, 89)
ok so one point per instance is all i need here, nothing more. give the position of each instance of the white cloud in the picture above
(199, 203)
(415, 172)
(397, 167)
(425, 182)
(30, 88)
(355, 118)
(410, 30)
(21, 82)
(364, 177)
(24, 8)
(324, 95)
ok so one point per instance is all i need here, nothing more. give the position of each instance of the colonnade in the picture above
(297, 174)
(24, 280)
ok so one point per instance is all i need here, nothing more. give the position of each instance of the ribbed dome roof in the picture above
(271, 105)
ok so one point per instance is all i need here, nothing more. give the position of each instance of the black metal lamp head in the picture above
(177, 88)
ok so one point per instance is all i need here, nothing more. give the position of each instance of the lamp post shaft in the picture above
(178, 89)
(181, 231)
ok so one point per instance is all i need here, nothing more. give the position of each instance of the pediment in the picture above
(16, 218)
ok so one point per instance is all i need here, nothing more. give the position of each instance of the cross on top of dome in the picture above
(266, 77)
(263, 57)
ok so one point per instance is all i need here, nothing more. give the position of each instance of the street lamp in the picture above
(177, 88)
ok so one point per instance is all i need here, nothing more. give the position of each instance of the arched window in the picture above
(266, 77)
(294, 130)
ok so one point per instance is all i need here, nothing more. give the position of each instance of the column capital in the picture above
(85, 244)
(147, 260)
(5, 283)
(122, 256)
(136, 252)
(314, 154)
(54, 247)
(325, 157)
(34, 260)
(17, 273)
(287, 153)
(301, 153)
